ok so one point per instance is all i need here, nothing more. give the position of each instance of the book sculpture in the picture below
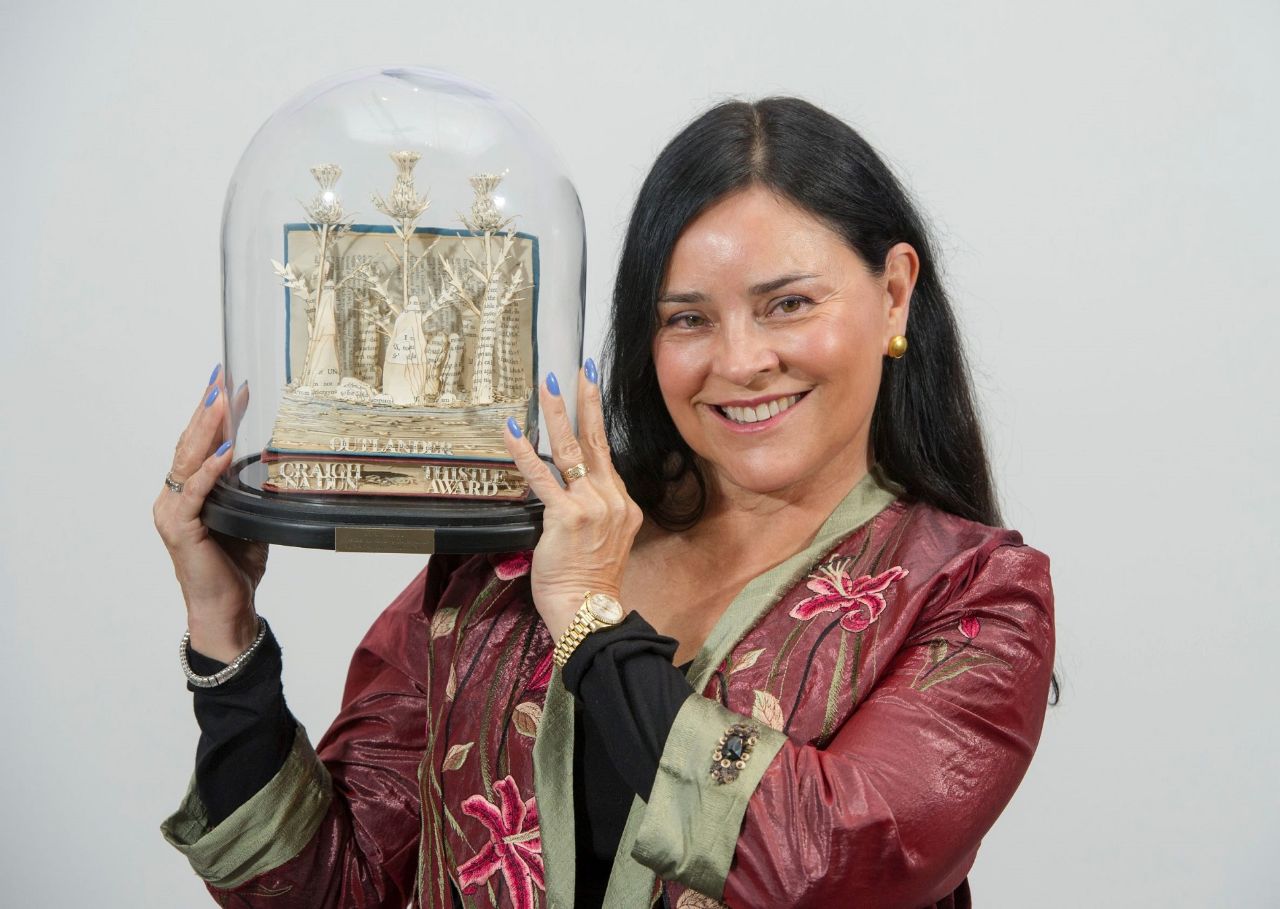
(407, 347)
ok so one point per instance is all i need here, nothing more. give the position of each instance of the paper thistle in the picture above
(326, 207)
(326, 175)
(406, 206)
(484, 212)
(327, 220)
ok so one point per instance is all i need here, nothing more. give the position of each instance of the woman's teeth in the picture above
(760, 411)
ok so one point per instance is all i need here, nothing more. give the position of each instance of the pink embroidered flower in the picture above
(969, 626)
(514, 847)
(861, 599)
(541, 675)
(511, 565)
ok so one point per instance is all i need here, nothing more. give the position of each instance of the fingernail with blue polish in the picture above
(593, 375)
(213, 396)
(514, 427)
(222, 449)
(553, 385)
(213, 376)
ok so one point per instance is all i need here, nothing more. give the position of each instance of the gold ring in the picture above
(173, 484)
(576, 472)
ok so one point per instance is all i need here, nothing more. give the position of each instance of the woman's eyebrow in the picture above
(688, 296)
(768, 287)
(756, 290)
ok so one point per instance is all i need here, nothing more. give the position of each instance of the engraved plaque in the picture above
(384, 539)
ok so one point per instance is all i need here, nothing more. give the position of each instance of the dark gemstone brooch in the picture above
(732, 752)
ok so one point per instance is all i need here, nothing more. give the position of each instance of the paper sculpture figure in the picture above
(408, 347)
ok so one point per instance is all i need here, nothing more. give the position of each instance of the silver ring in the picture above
(576, 472)
(173, 484)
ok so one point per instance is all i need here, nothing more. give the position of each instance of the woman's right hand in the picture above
(218, 574)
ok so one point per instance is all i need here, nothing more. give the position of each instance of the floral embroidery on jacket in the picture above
(861, 599)
(857, 602)
(541, 675)
(945, 663)
(511, 565)
(692, 899)
(514, 847)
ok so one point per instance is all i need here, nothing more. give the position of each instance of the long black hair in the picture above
(925, 432)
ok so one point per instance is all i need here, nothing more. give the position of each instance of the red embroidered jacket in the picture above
(894, 675)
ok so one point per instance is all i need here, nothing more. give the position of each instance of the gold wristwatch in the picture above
(598, 610)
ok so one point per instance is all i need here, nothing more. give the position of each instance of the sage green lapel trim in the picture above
(631, 883)
(553, 785)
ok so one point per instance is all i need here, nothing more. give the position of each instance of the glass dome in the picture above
(403, 257)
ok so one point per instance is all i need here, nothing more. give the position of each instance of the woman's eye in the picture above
(790, 305)
(686, 320)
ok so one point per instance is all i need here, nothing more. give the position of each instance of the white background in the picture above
(1103, 180)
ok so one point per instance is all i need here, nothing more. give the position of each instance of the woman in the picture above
(833, 666)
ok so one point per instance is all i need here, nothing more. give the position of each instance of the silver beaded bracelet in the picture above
(226, 673)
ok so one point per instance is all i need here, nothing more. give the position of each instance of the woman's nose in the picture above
(744, 352)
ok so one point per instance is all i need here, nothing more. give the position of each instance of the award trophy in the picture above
(402, 257)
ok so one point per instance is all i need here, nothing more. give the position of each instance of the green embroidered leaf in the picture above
(937, 651)
(457, 756)
(833, 690)
(453, 822)
(491, 697)
(528, 717)
(748, 660)
(783, 652)
(266, 890)
(957, 666)
(692, 899)
(856, 664)
(767, 710)
(451, 687)
(443, 621)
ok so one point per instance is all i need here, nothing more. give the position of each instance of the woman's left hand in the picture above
(588, 526)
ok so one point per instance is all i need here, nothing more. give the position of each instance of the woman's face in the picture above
(770, 344)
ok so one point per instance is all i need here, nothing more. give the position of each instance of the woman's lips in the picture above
(748, 418)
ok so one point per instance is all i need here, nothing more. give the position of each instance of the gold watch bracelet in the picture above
(584, 622)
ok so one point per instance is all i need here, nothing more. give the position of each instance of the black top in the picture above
(627, 694)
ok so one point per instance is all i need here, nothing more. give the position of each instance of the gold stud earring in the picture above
(897, 346)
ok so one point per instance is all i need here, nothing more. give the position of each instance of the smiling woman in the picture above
(830, 212)
(773, 647)
(770, 341)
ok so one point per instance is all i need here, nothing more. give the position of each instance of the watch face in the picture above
(605, 608)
